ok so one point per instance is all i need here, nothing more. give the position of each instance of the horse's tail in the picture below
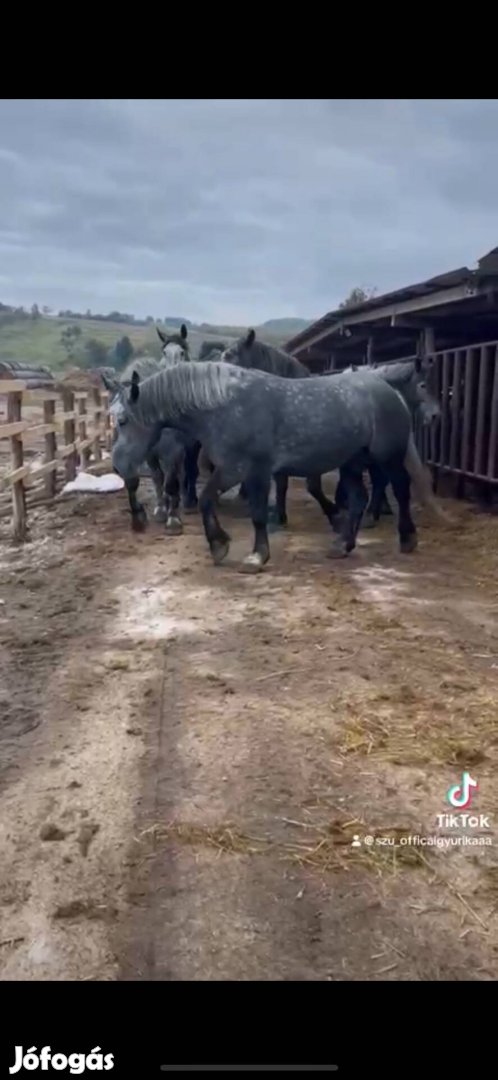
(422, 483)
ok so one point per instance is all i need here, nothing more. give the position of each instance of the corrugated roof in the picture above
(422, 288)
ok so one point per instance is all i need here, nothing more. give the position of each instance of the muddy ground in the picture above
(186, 753)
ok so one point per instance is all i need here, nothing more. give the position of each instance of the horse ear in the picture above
(184, 332)
(250, 339)
(134, 390)
(110, 384)
(161, 336)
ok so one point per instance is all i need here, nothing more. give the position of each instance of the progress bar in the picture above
(249, 1068)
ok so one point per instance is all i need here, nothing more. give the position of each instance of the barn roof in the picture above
(436, 292)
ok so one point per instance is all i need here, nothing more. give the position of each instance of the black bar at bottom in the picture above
(249, 1068)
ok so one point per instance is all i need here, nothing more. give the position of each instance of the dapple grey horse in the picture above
(254, 425)
(170, 457)
(408, 378)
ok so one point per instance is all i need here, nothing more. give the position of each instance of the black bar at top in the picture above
(249, 1068)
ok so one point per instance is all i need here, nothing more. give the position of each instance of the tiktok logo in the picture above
(461, 795)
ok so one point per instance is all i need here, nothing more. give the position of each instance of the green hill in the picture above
(39, 341)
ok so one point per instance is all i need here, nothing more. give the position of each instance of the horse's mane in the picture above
(208, 347)
(185, 388)
(395, 374)
(145, 365)
(263, 357)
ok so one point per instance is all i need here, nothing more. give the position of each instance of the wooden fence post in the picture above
(14, 413)
(85, 453)
(50, 448)
(108, 429)
(69, 434)
(97, 451)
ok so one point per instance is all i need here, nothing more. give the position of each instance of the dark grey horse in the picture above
(254, 425)
(408, 378)
(166, 458)
(256, 355)
(208, 350)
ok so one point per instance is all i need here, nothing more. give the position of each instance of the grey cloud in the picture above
(239, 210)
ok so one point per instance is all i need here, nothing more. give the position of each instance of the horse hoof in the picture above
(252, 564)
(337, 523)
(219, 550)
(368, 522)
(174, 526)
(339, 550)
(408, 545)
(139, 521)
(160, 514)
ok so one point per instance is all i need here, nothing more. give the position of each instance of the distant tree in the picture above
(358, 296)
(122, 352)
(88, 314)
(94, 354)
(35, 312)
(149, 319)
(46, 309)
(175, 320)
(69, 338)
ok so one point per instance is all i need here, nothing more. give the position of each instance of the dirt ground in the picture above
(186, 752)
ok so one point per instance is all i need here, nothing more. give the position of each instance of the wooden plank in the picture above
(467, 410)
(83, 442)
(50, 448)
(433, 432)
(455, 441)
(466, 473)
(481, 407)
(19, 520)
(493, 435)
(11, 386)
(445, 404)
(70, 414)
(7, 430)
(69, 435)
(80, 395)
(50, 467)
(15, 474)
(41, 429)
(97, 411)
(37, 397)
(65, 452)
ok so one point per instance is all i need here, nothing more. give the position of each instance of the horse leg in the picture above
(357, 499)
(243, 492)
(281, 486)
(217, 538)
(258, 489)
(400, 481)
(138, 512)
(172, 488)
(377, 497)
(160, 509)
(330, 509)
(191, 472)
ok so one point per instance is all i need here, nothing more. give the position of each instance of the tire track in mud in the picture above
(243, 756)
(204, 713)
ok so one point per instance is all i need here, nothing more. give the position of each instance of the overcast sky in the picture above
(237, 211)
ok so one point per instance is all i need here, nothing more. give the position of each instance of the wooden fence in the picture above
(44, 436)
(464, 443)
